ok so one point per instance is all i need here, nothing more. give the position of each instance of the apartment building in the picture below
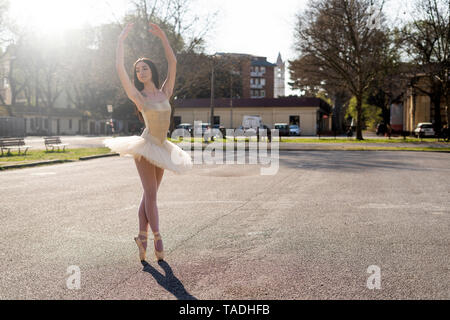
(260, 78)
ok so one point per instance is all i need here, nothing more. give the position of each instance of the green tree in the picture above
(427, 43)
(371, 114)
(340, 35)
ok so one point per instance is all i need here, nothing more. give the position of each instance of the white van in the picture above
(251, 122)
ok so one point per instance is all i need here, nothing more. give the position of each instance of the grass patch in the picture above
(354, 140)
(366, 148)
(43, 155)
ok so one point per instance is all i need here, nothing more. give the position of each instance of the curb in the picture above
(99, 156)
(41, 163)
(34, 164)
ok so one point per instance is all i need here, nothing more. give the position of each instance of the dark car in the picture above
(283, 129)
(381, 129)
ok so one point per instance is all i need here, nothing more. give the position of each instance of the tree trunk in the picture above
(338, 124)
(447, 109)
(436, 100)
(359, 118)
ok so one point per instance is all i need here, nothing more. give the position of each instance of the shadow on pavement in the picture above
(168, 281)
(351, 161)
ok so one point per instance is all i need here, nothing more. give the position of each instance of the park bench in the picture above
(13, 143)
(54, 142)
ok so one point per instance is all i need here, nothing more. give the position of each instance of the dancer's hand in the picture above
(126, 31)
(157, 31)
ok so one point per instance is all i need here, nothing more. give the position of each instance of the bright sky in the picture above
(258, 27)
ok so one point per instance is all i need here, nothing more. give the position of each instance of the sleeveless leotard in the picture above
(152, 144)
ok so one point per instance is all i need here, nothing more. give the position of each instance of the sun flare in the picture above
(55, 16)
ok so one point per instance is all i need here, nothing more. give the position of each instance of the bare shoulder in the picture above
(139, 100)
(164, 93)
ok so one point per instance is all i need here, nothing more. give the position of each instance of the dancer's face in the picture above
(143, 72)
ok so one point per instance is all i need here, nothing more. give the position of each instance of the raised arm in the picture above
(130, 89)
(169, 83)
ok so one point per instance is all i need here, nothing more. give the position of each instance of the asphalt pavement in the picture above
(311, 231)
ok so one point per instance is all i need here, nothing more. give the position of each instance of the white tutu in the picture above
(166, 155)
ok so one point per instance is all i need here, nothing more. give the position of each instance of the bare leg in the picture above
(159, 175)
(147, 173)
(143, 222)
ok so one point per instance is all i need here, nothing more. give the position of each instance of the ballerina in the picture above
(152, 152)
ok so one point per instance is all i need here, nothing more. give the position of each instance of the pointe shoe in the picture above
(159, 254)
(139, 242)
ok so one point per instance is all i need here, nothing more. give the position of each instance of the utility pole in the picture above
(212, 93)
(212, 99)
(231, 99)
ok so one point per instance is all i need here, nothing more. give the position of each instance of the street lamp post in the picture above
(212, 94)
(231, 99)
(110, 110)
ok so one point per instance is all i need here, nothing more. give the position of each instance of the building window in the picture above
(294, 120)
(263, 93)
(263, 82)
(252, 81)
(263, 69)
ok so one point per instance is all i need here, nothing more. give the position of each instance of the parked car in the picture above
(185, 126)
(424, 129)
(381, 129)
(200, 130)
(253, 130)
(294, 130)
(218, 127)
(283, 128)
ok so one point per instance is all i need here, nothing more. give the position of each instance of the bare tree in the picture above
(313, 78)
(427, 41)
(186, 33)
(341, 36)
